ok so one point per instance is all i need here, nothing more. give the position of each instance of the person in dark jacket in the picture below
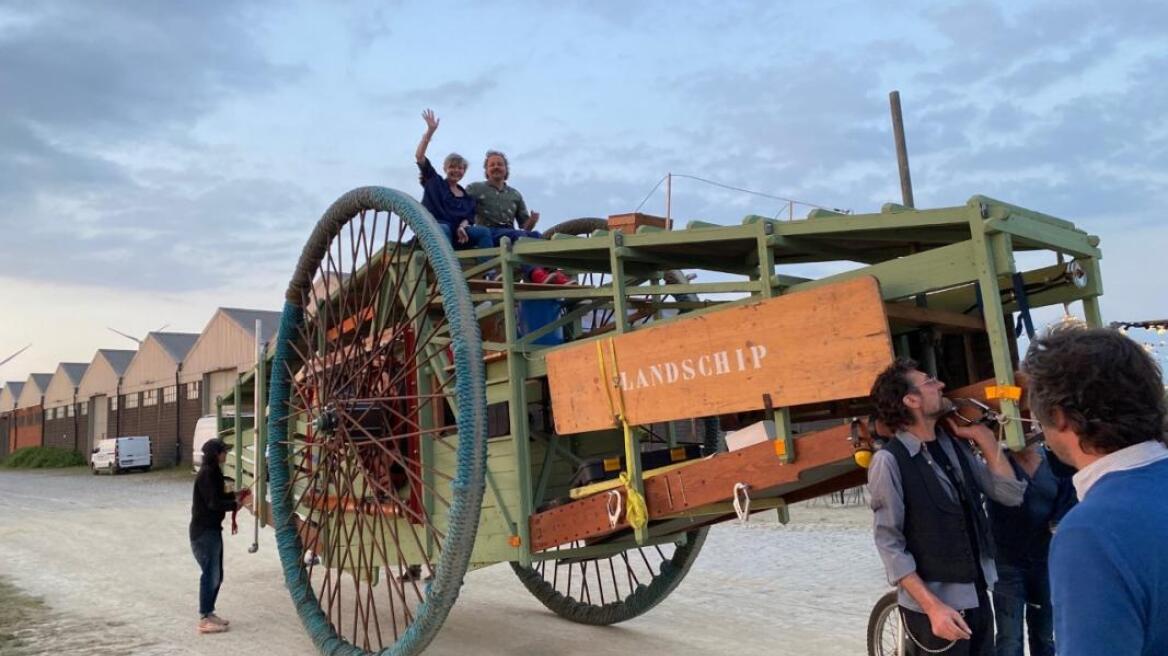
(210, 504)
(1022, 539)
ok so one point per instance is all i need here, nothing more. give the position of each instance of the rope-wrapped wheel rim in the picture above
(377, 427)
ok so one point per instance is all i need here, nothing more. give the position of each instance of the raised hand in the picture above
(431, 120)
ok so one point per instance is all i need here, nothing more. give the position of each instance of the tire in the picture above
(580, 605)
(353, 344)
(882, 623)
(578, 227)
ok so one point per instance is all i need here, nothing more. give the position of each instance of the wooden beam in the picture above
(820, 458)
(930, 317)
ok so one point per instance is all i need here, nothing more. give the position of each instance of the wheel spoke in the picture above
(374, 433)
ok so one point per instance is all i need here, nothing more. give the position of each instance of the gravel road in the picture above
(102, 565)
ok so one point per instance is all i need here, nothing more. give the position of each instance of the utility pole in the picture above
(906, 191)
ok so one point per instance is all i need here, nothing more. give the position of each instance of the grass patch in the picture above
(43, 457)
(20, 610)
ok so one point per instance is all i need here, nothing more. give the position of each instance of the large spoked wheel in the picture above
(621, 586)
(885, 636)
(377, 427)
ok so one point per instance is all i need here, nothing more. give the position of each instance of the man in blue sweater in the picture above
(1100, 399)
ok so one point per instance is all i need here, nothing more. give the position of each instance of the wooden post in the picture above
(517, 406)
(906, 192)
(668, 201)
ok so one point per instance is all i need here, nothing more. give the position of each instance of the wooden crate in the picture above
(628, 223)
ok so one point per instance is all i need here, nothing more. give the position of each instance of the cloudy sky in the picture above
(158, 160)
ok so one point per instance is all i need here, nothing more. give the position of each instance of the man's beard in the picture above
(945, 407)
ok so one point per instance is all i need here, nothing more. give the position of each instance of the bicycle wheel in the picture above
(885, 636)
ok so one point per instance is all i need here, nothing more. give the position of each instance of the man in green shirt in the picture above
(500, 207)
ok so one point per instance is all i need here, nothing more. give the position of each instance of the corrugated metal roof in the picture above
(117, 359)
(74, 371)
(176, 345)
(247, 318)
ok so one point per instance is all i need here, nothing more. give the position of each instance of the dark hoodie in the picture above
(211, 500)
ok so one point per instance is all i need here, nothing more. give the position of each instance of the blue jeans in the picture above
(1023, 591)
(512, 233)
(477, 237)
(497, 234)
(208, 550)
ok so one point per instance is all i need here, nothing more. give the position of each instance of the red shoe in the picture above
(538, 275)
(557, 278)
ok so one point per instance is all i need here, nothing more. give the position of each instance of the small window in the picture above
(169, 394)
(114, 404)
(84, 408)
(131, 401)
(193, 391)
(69, 410)
(52, 413)
(150, 397)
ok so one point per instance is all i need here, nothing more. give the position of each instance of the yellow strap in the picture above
(636, 512)
(1011, 392)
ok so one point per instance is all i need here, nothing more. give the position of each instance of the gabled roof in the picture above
(106, 368)
(158, 361)
(34, 390)
(73, 371)
(176, 345)
(62, 388)
(247, 318)
(9, 394)
(228, 342)
(40, 381)
(118, 359)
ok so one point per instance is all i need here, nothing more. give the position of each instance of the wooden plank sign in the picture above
(821, 344)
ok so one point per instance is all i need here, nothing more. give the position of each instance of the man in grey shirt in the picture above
(930, 524)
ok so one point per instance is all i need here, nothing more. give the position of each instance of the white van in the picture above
(206, 430)
(119, 454)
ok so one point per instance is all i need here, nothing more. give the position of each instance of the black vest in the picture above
(935, 527)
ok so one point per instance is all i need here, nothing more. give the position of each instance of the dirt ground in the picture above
(102, 565)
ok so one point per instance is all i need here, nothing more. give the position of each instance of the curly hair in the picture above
(506, 163)
(1108, 388)
(888, 394)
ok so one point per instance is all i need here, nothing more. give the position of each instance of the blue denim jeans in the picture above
(1022, 594)
(497, 235)
(478, 237)
(208, 550)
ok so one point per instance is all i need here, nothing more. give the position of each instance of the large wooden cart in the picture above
(419, 426)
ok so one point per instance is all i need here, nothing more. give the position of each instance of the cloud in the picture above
(94, 92)
(454, 93)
